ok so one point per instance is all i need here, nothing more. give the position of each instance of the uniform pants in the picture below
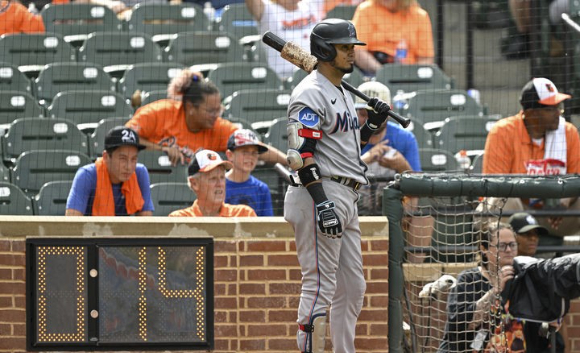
(332, 272)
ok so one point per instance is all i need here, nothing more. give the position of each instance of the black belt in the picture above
(351, 183)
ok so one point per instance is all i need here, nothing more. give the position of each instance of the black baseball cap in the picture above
(122, 136)
(245, 137)
(524, 222)
(540, 93)
(206, 160)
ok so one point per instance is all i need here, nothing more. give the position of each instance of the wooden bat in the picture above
(301, 58)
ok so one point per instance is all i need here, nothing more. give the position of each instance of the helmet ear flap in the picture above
(322, 50)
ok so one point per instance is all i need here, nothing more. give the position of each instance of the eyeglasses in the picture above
(212, 112)
(503, 246)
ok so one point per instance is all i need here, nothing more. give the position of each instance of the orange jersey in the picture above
(163, 122)
(383, 30)
(17, 19)
(509, 148)
(227, 210)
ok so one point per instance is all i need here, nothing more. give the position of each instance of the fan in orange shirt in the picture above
(15, 18)
(207, 178)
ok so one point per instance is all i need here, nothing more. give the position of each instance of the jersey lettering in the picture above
(345, 122)
(308, 117)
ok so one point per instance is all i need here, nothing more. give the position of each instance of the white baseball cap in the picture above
(373, 89)
(541, 92)
(205, 161)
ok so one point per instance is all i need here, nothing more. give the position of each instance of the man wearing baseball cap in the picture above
(242, 188)
(207, 178)
(115, 185)
(537, 141)
(528, 233)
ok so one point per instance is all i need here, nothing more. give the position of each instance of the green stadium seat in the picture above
(51, 199)
(477, 164)
(13, 201)
(148, 77)
(150, 97)
(277, 135)
(237, 21)
(4, 173)
(435, 160)
(169, 197)
(116, 51)
(424, 137)
(409, 78)
(258, 106)
(89, 107)
(355, 78)
(76, 21)
(346, 12)
(60, 77)
(160, 168)
(11, 79)
(15, 104)
(191, 48)
(36, 168)
(232, 77)
(464, 133)
(28, 134)
(32, 51)
(97, 137)
(162, 20)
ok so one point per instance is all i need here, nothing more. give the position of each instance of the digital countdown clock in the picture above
(119, 293)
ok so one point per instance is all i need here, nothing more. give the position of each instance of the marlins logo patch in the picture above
(308, 117)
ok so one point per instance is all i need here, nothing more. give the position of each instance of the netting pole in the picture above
(393, 209)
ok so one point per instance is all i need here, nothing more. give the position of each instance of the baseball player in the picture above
(324, 141)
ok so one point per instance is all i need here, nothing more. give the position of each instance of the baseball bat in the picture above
(299, 57)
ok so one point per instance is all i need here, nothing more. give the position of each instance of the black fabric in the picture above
(317, 193)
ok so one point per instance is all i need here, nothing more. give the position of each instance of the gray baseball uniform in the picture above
(332, 272)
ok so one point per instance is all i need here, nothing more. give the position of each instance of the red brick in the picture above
(5, 330)
(251, 260)
(12, 315)
(18, 274)
(226, 275)
(5, 274)
(20, 301)
(12, 288)
(253, 316)
(295, 275)
(252, 288)
(288, 316)
(379, 245)
(220, 261)
(267, 330)
(233, 261)
(364, 245)
(292, 247)
(378, 329)
(379, 301)
(361, 329)
(221, 344)
(373, 315)
(376, 273)
(266, 302)
(220, 316)
(232, 289)
(19, 329)
(226, 331)
(5, 245)
(377, 287)
(233, 316)
(283, 260)
(219, 289)
(266, 275)
(6, 302)
(285, 345)
(222, 246)
(252, 345)
(12, 344)
(226, 303)
(285, 288)
(375, 260)
(265, 245)
(19, 246)
(294, 301)
(12, 259)
(371, 343)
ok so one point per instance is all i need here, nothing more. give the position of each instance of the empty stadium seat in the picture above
(257, 106)
(15, 104)
(148, 77)
(277, 136)
(13, 201)
(32, 51)
(169, 197)
(189, 48)
(75, 21)
(477, 164)
(160, 168)
(464, 133)
(97, 137)
(424, 137)
(355, 78)
(4, 173)
(232, 77)
(89, 107)
(435, 160)
(51, 199)
(33, 169)
(60, 77)
(11, 79)
(237, 21)
(410, 78)
(28, 134)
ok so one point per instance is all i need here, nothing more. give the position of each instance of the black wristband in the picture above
(365, 134)
(309, 174)
(317, 193)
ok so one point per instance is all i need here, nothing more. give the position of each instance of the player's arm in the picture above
(377, 116)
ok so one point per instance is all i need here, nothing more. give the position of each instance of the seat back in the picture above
(89, 107)
(169, 197)
(148, 77)
(410, 78)
(11, 79)
(237, 21)
(36, 168)
(35, 49)
(51, 199)
(437, 105)
(232, 77)
(424, 137)
(149, 97)
(156, 19)
(97, 137)
(29, 134)
(119, 48)
(346, 12)
(13, 201)
(464, 133)
(189, 48)
(477, 165)
(60, 77)
(76, 19)
(15, 104)
(4, 173)
(435, 160)
(257, 105)
(160, 168)
(277, 135)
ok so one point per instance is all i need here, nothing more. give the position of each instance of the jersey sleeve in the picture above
(84, 184)
(497, 153)
(147, 122)
(145, 186)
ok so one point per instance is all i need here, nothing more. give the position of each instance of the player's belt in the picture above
(351, 183)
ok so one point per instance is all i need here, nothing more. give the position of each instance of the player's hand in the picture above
(174, 154)
(328, 221)
(378, 115)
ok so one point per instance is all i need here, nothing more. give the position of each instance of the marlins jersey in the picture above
(317, 102)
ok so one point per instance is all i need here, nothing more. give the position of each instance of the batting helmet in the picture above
(328, 32)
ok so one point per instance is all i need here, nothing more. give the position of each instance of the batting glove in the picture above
(378, 115)
(328, 221)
